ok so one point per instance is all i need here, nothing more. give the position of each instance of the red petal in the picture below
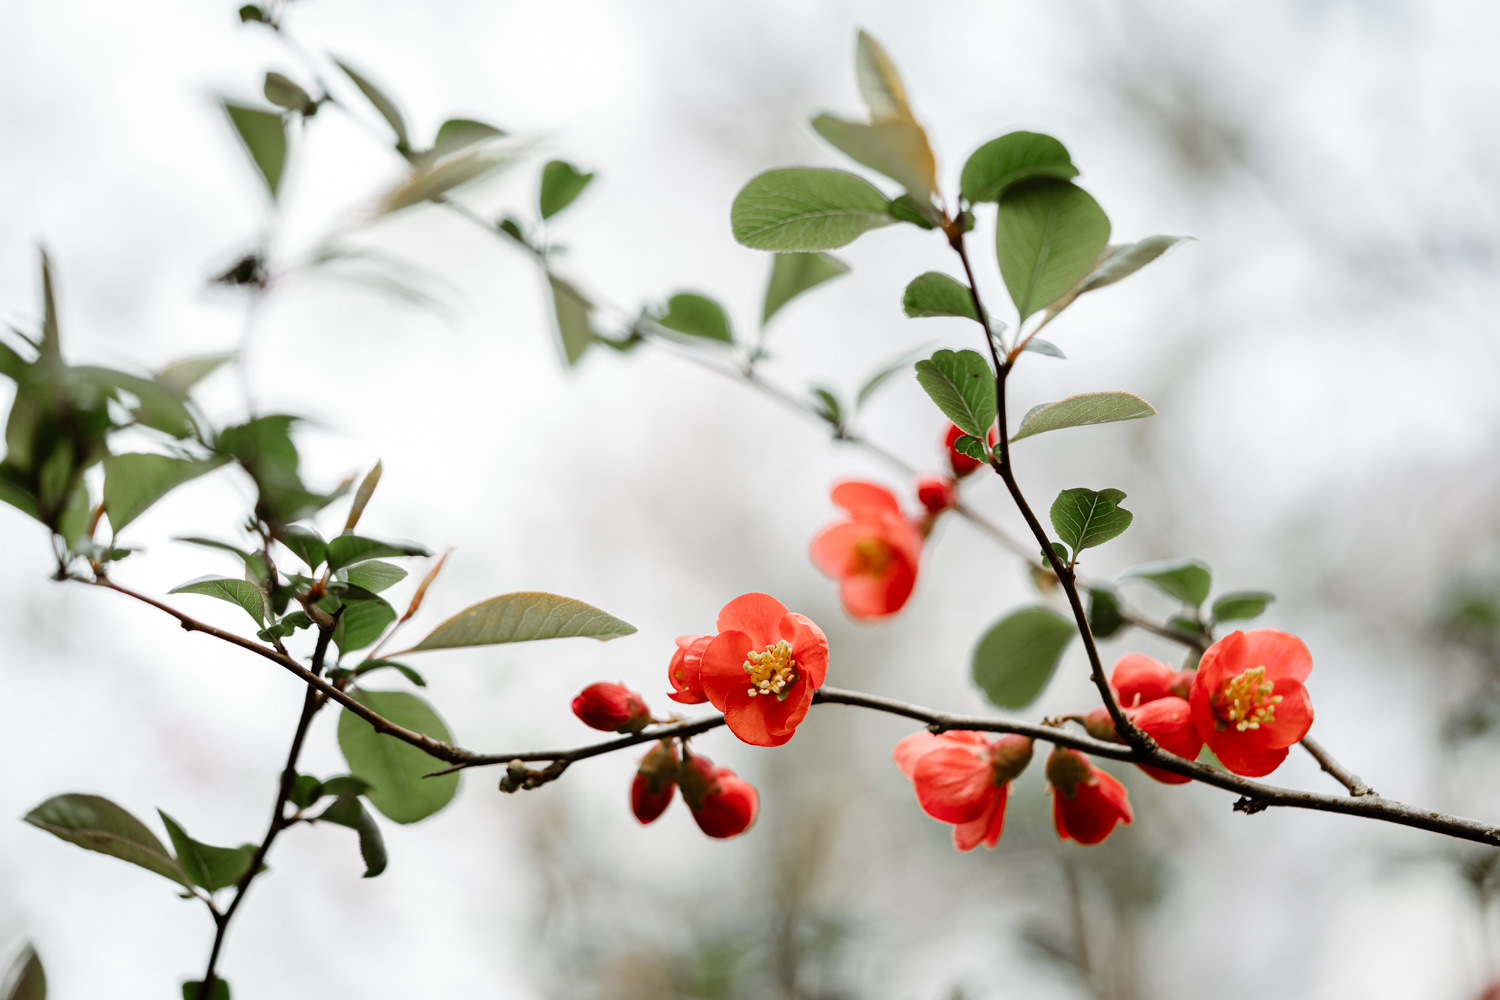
(1139, 679)
(986, 827)
(809, 647)
(833, 548)
(857, 496)
(754, 614)
(1294, 715)
(1284, 656)
(953, 783)
(723, 667)
(730, 810)
(1221, 661)
(1246, 753)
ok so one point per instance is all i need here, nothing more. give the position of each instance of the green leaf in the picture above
(829, 407)
(802, 208)
(220, 990)
(305, 543)
(206, 866)
(305, 791)
(285, 92)
(884, 374)
(346, 549)
(1123, 260)
(572, 313)
(133, 482)
(345, 784)
(460, 133)
(288, 625)
(1241, 605)
(374, 575)
(1011, 159)
(394, 769)
(962, 384)
(561, 184)
(1105, 616)
(966, 444)
(242, 592)
(794, 273)
(697, 316)
(1048, 237)
(1188, 580)
(431, 181)
(26, 979)
(347, 810)
(410, 674)
(1018, 655)
(250, 12)
(922, 214)
(181, 376)
(897, 148)
(879, 81)
(1084, 518)
(264, 448)
(362, 496)
(1083, 410)
(254, 561)
(936, 294)
(524, 617)
(382, 104)
(1046, 347)
(264, 136)
(365, 619)
(97, 824)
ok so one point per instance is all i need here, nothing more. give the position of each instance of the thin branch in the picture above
(1342, 774)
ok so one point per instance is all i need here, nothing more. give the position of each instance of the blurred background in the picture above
(1323, 360)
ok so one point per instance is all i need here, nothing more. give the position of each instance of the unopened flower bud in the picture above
(962, 464)
(1101, 726)
(1066, 769)
(613, 708)
(722, 804)
(655, 783)
(1087, 803)
(1010, 756)
(936, 493)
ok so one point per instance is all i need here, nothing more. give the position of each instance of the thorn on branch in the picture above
(519, 777)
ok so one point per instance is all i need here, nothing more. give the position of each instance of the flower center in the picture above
(871, 557)
(772, 671)
(1246, 701)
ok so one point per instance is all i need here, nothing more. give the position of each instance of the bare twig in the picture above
(1342, 774)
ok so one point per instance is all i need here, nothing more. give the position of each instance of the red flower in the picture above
(684, 671)
(1168, 721)
(723, 805)
(762, 668)
(655, 783)
(1138, 679)
(1248, 701)
(613, 708)
(1087, 803)
(962, 464)
(936, 493)
(963, 778)
(873, 555)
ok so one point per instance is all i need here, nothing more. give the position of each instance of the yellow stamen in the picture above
(1246, 701)
(871, 557)
(773, 671)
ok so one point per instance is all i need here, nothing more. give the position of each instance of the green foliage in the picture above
(1084, 518)
(251, 13)
(1241, 605)
(181, 376)
(285, 92)
(936, 294)
(1015, 157)
(1121, 260)
(431, 180)
(697, 316)
(220, 989)
(524, 617)
(922, 214)
(264, 136)
(802, 208)
(409, 673)
(880, 85)
(26, 979)
(829, 407)
(348, 810)
(374, 575)
(382, 104)
(347, 549)
(1017, 656)
(288, 625)
(133, 482)
(241, 592)
(1188, 580)
(206, 866)
(263, 447)
(562, 183)
(461, 133)
(1046, 347)
(966, 444)
(362, 496)
(394, 769)
(97, 824)
(1048, 236)
(365, 618)
(1105, 615)
(572, 314)
(1082, 410)
(795, 273)
(962, 384)
(897, 148)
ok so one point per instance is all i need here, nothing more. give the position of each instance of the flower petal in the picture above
(953, 783)
(1282, 654)
(1245, 754)
(833, 548)
(1138, 679)
(723, 667)
(809, 647)
(754, 614)
(1294, 716)
(857, 496)
(986, 827)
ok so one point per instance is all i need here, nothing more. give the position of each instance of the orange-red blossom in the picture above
(963, 778)
(873, 554)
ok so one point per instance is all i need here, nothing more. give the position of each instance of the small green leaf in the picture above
(26, 979)
(394, 769)
(1188, 580)
(1059, 553)
(374, 575)
(431, 181)
(1083, 410)
(461, 133)
(966, 444)
(305, 791)
(896, 148)
(250, 12)
(264, 136)
(829, 407)
(922, 214)
(794, 273)
(1011, 159)
(524, 617)
(287, 626)
(1123, 260)
(1018, 655)
(410, 674)
(285, 92)
(879, 81)
(365, 618)
(362, 495)
(305, 543)
(346, 549)
(1105, 616)
(697, 316)
(936, 294)
(802, 208)
(382, 104)
(242, 592)
(1084, 518)
(1185, 625)
(206, 866)
(133, 482)
(1046, 347)
(572, 314)
(97, 824)
(181, 376)
(220, 989)
(884, 374)
(345, 784)
(347, 810)
(1241, 605)
(962, 384)
(561, 184)
(1048, 236)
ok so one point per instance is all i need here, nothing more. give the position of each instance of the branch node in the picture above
(1250, 806)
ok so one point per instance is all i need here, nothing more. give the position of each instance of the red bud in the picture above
(655, 783)
(723, 804)
(614, 708)
(936, 493)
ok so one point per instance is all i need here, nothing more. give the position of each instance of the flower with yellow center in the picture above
(1246, 701)
(772, 671)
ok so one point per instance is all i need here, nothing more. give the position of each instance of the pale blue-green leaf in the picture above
(802, 208)
(241, 592)
(1082, 410)
(1048, 237)
(1011, 159)
(1188, 580)
(962, 384)
(1018, 655)
(1123, 260)
(937, 294)
(794, 273)
(897, 148)
(395, 769)
(133, 482)
(524, 617)
(97, 824)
